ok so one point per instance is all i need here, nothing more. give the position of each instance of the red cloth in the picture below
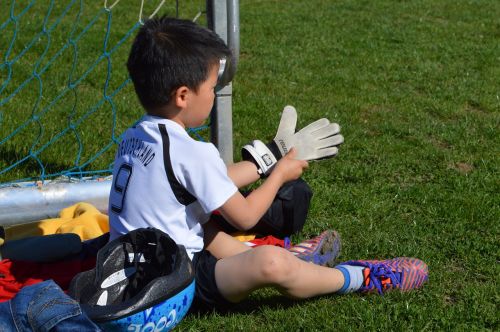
(270, 240)
(14, 275)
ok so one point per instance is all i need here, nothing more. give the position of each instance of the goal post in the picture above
(225, 22)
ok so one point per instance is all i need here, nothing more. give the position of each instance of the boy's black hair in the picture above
(168, 53)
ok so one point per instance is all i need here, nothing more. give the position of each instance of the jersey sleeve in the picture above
(208, 180)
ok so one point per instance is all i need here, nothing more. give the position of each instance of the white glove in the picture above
(317, 140)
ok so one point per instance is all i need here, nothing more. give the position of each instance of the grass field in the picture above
(415, 86)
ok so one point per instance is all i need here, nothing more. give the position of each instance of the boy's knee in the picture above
(275, 264)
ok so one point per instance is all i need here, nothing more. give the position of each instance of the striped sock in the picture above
(353, 278)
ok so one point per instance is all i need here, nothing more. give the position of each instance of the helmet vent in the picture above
(118, 277)
(140, 257)
(103, 299)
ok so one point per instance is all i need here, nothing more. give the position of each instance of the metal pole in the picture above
(31, 203)
(223, 18)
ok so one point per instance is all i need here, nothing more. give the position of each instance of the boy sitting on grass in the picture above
(165, 179)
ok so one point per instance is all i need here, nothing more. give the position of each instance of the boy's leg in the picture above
(321, 250)
(238, 275)
(244, 269)
(220, 244)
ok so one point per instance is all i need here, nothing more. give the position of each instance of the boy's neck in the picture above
(167, 112)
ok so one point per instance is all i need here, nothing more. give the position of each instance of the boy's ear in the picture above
(181, 96)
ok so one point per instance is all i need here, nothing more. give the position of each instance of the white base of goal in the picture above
(28, 201)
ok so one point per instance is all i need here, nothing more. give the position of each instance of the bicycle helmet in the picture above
(143, 281)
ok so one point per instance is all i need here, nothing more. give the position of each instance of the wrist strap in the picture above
(275, 150)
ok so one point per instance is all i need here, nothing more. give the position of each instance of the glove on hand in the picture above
(317, 140)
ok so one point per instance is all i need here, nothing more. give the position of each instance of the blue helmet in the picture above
(143, 281)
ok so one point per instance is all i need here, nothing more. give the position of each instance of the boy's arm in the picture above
(243, 173)
(244, 212)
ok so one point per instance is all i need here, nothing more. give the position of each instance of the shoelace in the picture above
(379, 271)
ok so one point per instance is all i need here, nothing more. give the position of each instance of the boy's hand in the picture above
(318, 140)
(290, 168)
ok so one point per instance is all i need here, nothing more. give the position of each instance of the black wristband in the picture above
(274, 149)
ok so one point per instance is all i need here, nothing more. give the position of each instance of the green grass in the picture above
(415, 86)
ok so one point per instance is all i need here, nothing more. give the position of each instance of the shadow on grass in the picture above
(247, 306)
(28, 168)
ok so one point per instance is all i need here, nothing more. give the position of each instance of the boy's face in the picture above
(202, 101)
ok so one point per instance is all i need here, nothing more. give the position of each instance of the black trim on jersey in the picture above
(181, 193)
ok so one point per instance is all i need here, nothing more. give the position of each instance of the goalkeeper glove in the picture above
(317, 140)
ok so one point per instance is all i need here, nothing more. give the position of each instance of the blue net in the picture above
(65, 95)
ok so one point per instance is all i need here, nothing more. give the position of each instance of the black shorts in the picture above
(207, 294)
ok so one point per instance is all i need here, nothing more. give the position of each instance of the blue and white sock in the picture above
(353, 278)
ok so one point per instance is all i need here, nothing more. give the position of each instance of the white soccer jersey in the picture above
(163, 178)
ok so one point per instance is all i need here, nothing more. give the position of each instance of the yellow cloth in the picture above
(82, 219)
(243, 237)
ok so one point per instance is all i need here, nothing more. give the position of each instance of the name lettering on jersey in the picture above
(137, 149)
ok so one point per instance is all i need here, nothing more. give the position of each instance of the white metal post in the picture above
(223, 18)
